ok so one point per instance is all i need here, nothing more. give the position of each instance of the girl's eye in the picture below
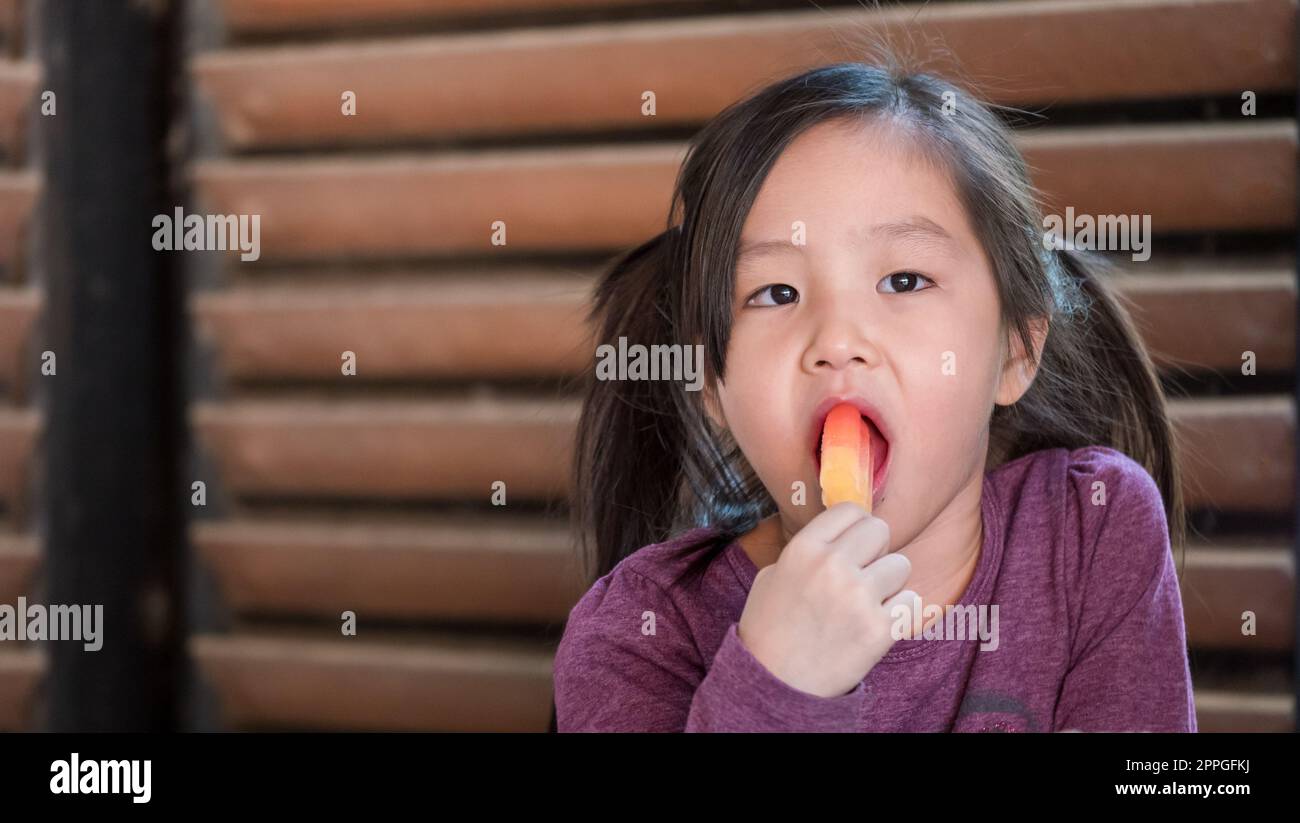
(905, 281)
(778, 293)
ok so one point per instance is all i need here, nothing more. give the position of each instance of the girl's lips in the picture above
(881, 451)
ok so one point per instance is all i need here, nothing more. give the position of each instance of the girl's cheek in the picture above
(940, 408)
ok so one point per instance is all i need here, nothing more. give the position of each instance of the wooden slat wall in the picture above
(592, 77)
(379, 207)
(22, 665)
(375, 240)
(287, 17)
(448, 329)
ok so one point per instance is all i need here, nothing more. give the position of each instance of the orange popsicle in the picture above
(846, 458)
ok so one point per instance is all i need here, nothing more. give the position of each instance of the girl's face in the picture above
(859, 277)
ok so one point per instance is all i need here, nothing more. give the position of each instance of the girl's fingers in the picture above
(906, 597)
(887, 575)
(864, 541)
(908, 601)
(826, 527)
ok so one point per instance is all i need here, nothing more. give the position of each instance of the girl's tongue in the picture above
(879, 450)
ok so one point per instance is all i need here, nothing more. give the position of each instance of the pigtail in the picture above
(648, 464)
(628, 455)
(1096, 384)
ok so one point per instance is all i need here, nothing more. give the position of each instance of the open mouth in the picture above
(880, 450)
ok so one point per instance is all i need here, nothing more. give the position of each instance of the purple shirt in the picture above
(1090, 632)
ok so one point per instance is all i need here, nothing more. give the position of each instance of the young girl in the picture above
(870, 235)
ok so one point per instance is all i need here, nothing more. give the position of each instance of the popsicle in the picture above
(846, 458)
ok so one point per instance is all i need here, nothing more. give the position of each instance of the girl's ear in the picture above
(1018, 370)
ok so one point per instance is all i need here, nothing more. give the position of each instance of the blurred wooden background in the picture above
(21, 663)
(370, 492)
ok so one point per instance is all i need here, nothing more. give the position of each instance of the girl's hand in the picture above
(819, 618)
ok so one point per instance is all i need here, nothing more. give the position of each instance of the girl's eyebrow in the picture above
(914, 227)
(762, 248)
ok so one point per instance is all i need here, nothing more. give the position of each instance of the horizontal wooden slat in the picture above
(17, 83)
(1231, 312)
(548, 199)
(264, 16)
(475, 325)
(1222, 582)
(21, 672)
(491, 325)
(350, 683)
(1173, 172)
(1218, 711)
(614, 197)
(19, 559)
(18, 432)
(417, 450)
(594, 76)
(1237, 453)
(18, 309)
(18, 192)
(475, 571)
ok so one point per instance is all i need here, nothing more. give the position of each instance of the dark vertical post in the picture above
(1295, 540)
(114, 410)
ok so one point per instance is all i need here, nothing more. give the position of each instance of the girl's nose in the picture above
(840, 343)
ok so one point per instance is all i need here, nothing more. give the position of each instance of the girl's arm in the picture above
(1129, 668)
(628, 662)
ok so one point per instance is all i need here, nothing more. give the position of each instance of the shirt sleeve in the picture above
(627, 662)
(1129, 669)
